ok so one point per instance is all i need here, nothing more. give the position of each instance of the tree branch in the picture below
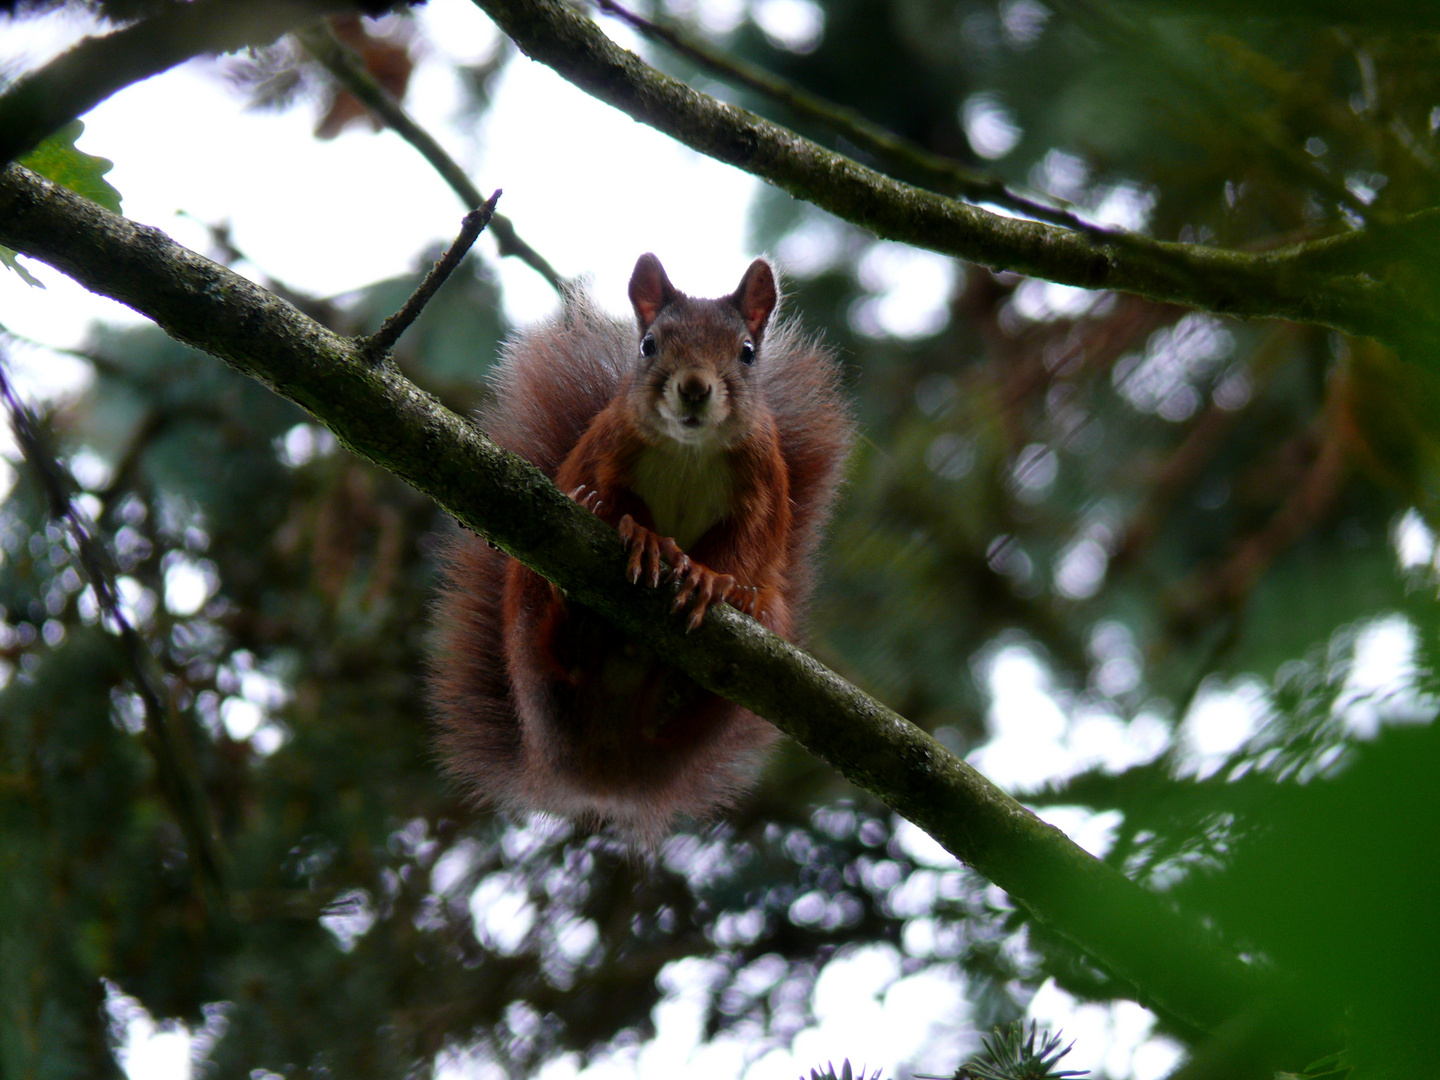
(1276, 284)
(377, 413)
(85, 75)
(946, 174)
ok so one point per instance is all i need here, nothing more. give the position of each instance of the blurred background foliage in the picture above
(1169, 523)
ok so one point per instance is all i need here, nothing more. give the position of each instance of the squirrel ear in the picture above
(650, 290)
(756, 297)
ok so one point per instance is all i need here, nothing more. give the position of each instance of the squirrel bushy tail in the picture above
(552, 383)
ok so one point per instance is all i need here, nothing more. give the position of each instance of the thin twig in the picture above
(473, 224)
(163, 737)
(340, 60)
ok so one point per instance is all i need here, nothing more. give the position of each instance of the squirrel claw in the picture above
(587, 497)
(653, 557)
(745, 598)
(678, 560)
(701, 587)
(645, 551)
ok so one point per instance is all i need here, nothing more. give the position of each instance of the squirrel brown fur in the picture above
(712, 436)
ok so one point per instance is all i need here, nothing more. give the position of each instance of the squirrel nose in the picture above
(694, 389)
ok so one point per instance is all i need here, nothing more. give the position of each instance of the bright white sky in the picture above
(591, 190)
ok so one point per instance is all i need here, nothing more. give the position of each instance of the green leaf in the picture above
(11, 259)
(59, 160)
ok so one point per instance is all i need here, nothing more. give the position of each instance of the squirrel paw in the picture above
(649, 552)
(587, 497)
(699, 588)
(746, 598)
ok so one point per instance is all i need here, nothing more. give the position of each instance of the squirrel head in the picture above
(695, 381)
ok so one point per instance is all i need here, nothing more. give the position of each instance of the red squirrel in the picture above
(712, 439)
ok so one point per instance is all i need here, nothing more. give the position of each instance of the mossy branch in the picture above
(377, 413)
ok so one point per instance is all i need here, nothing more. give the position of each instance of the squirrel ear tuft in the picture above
(756, 297)
(650, 290)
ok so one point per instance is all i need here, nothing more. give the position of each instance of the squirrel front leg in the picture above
(752, 544)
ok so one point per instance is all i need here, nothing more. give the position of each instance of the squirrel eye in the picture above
(747, 353)
(647, 346)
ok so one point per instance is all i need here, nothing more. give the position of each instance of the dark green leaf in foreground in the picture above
(62, 161)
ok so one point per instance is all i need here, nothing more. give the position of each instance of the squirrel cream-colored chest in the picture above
(688, 489)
